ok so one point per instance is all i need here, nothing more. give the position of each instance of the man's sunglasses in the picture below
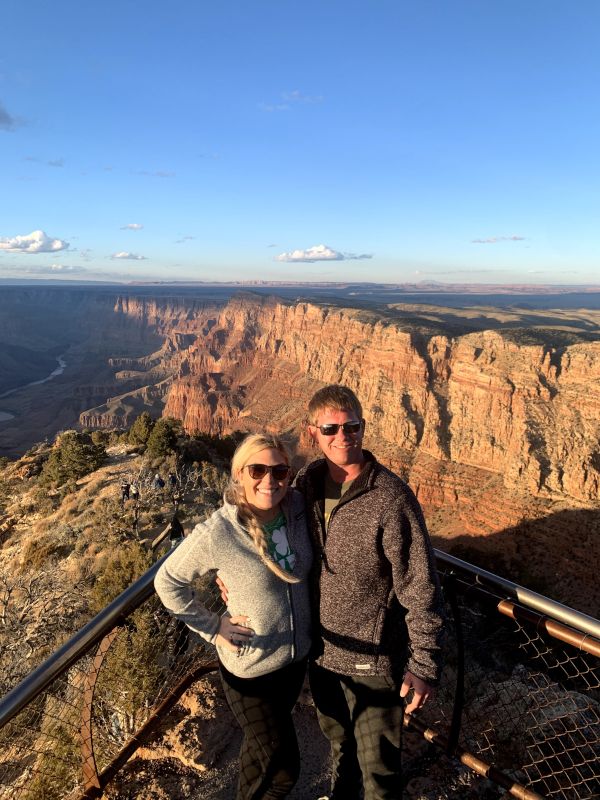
(333, 427)
(258, 471)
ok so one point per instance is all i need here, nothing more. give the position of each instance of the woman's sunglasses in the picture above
(258, 471)
(332, 428)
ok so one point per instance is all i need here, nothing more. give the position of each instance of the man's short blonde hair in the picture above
(336, 397)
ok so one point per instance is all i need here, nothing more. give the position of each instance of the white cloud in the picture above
(35, 242)
(320, 252)
(62, 268)
(132, 226)
(496, 239)
(128, 256)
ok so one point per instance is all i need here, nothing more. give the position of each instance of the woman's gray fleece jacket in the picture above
(279, 612)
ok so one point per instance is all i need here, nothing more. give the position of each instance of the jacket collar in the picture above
(317, 471)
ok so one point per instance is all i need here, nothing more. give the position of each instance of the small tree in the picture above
(141, 429)
(163, 439)
(73, 456)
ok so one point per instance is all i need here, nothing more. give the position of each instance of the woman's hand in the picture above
(234, 633)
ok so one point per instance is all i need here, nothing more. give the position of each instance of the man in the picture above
(125, 485)
(380, 607)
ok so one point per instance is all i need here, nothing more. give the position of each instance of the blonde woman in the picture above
(259, 545)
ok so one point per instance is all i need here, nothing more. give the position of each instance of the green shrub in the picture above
(141, 429)
(163, 439)
(73, 456)
(123, 567)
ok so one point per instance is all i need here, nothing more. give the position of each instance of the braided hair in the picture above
(234, 493)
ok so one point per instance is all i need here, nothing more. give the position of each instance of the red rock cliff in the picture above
(525, 416)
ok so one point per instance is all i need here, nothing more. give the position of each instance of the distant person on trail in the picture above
(174, 486)
(135, 493)
(158, 483)
(259, 545)
(380, 606)
(125, 486)
(176, 532)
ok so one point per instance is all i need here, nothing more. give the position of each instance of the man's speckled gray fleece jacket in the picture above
(279, 612)
(380, 601)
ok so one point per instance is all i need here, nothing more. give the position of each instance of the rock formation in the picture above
(528, 413)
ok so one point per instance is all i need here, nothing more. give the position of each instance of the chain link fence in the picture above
(528, 701)
(88, 720)
(519, 693)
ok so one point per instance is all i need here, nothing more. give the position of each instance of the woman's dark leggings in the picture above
(269, 756)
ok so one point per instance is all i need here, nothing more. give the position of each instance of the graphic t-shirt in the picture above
(277, 543)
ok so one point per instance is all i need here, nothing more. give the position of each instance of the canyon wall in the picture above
(526, 416)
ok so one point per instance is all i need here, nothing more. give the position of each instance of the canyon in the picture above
(492, 415)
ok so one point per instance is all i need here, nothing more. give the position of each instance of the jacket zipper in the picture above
(292, 626)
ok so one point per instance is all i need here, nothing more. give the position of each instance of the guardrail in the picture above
(519, 700)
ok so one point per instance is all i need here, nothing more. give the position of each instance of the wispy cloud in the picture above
(54, 162)
(299, 97)
(289, 99)
(184, 239)
(34, 242)
(159, 173)
(132, 226)
(123, 254)
(496, 239)
(7, 123)
(72, 269)
(273, 107)
(320, 252)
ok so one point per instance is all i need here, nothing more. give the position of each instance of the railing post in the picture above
(459, 690)
(89, 767)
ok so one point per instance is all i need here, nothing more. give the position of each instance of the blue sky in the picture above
(386, 140)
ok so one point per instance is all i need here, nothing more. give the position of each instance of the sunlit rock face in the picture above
(528, 414)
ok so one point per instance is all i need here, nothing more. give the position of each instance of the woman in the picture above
(259, 545)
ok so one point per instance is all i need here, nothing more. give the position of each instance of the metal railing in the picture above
(519, 700)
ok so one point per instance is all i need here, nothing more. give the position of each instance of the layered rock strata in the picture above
(493, 434)
(529, 414)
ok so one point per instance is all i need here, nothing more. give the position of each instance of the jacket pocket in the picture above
(378, 632)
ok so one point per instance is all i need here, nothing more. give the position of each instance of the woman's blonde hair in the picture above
(234, 493)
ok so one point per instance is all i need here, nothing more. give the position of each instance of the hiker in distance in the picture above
(259, 545)
(380, 627)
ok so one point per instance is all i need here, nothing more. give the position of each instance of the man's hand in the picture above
(422, 692)
(222, 589)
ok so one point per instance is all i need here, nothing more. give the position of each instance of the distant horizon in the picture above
(418, 286)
